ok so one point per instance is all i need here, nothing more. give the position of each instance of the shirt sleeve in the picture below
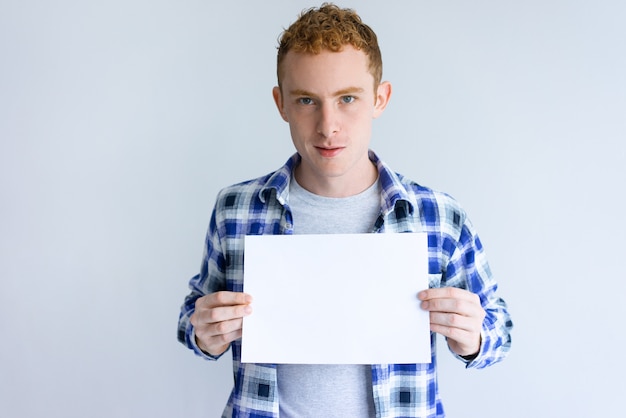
(468, 269)
(211, 279)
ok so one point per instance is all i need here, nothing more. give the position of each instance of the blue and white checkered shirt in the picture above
(456, 258)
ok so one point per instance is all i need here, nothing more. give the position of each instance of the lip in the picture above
(329, 152)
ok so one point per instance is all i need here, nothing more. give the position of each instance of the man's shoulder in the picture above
(397, 185)
(257, 188)
(434, 205)
(247, 190)
(421, 192)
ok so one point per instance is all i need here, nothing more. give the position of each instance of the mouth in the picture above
(329, 152)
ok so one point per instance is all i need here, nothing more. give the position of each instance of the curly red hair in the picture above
(330, 28)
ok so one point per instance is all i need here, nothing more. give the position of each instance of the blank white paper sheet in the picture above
(336, 299)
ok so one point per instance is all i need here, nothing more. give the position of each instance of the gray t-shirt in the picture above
(324, 390)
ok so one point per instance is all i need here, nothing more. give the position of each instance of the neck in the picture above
(337, 186)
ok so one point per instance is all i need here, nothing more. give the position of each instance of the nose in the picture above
(328, 122)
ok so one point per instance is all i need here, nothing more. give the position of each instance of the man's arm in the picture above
(467, 310)
(210, 314)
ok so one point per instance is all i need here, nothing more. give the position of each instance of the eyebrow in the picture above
(342, 92)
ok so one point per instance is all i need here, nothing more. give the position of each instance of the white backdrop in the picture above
(120, 120)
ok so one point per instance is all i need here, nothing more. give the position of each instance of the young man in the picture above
(329, 91)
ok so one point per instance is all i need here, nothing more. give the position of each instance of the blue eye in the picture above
(348, 99)
(305, 100)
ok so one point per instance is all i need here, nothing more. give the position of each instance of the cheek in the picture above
(361, 128)
(359, 121)
(298, 134)
(300, 122)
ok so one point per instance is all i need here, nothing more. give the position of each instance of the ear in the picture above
(383, 94)
(278, 99)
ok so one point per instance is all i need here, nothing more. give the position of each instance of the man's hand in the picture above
(456, 314)
(218, 318)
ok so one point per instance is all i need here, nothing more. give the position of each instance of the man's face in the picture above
(329, 101)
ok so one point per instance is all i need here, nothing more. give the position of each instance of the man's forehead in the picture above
(328, 70)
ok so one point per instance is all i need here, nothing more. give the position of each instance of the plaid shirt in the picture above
(456, 258)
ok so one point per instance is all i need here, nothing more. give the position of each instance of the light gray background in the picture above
(120, 120)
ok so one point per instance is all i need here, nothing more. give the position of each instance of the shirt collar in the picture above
(279, 181)
(393, 191)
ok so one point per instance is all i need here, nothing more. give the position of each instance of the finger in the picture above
(217, 344)
(461, 341)
(457, 306)
(460, 336)
(219, 328)
(208, 315)
(224, 299)
(446, 293)
(454, 321)
(215, 338)
(230, 337)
